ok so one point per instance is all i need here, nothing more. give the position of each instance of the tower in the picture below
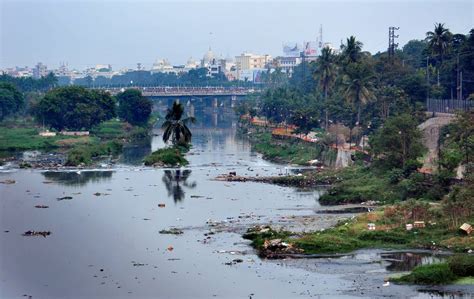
(391, 41)
(320, 36)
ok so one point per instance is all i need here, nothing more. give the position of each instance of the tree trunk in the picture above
(327, 112)
(358, 115)
(350, 137)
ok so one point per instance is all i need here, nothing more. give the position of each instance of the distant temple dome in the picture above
(208, 57)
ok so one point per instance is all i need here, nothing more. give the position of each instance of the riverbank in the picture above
(104, 141)
(281, 149)
(387, 231)
(457, 269)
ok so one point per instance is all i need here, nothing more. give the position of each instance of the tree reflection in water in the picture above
(175, 180)
(79, 178)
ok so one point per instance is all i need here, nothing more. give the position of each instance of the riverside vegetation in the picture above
(175, 129)
(72, 108)
(382, 98)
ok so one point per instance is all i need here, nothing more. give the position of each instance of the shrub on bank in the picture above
(429, 274)
(462, 265)
(170, 156)
(85, 154)
(457, 266)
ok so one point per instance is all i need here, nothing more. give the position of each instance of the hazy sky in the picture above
(122, 33)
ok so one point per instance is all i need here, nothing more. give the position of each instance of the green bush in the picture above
(462, 265)
(84, 154)
(429, 274)
(170, 156)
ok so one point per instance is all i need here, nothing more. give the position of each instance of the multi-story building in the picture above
(249, 61)
(40, 70)
(248, 66)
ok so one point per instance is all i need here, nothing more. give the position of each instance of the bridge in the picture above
(185, 91)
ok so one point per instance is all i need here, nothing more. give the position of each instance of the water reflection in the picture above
(134, 155)
(79, 178)
(175, 180)
(406, 261)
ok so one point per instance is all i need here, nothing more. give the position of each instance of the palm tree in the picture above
(358, 81)
(327, 74)
(352, 50)
(439, 42)
(175, 180)
(175, 127)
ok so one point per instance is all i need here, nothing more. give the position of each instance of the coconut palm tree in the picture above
(359, 88)
(352, 50)
(326, 73)
(175, 127)
(439, 42)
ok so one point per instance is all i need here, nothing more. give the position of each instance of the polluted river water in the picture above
(105, 239)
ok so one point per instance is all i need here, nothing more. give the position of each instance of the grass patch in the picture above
(169, 156)
(115, 129)
(358, 184)
(327, 243)
(86, 154)
(459, 269)
(465, 281)
(429, 274)
(110, 129)
(14, 138)
(288, 150)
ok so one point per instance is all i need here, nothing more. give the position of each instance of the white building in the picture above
(40, 70)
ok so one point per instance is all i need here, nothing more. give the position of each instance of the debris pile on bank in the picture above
(270, 243)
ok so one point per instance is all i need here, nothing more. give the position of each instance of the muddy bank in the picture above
(316, 179)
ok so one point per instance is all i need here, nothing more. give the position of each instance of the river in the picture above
(105, 224)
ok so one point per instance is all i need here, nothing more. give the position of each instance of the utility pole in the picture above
(458, 80)
(391, 41)
(427, 80)
(303, 66)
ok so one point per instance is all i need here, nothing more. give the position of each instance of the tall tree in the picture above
(352, 50)
(175, 126)
(359, 88)
(326, 72)
(74, 107)
(398, 142)
(439, 42)
(133, 107)
(11, 100)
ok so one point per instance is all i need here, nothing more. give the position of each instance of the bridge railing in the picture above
(448, 105)
(168, 90)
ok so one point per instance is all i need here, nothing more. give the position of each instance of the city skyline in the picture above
(124, 33)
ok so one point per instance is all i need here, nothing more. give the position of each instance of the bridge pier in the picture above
(233, 100)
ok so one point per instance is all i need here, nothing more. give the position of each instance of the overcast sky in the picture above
(122, 33)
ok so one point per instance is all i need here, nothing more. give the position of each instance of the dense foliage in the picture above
(358, 89)
(11, 100)
(26, 84)
(398, 143)
(133, 107)
(74, 108)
